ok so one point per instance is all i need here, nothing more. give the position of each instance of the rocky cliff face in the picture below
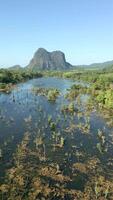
(44, 60)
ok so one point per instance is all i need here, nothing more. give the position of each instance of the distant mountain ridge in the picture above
(97, 65)
(55, 60)
(15, 67)
(44, 60)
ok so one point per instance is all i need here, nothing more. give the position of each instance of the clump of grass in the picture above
(50, 93)
(74, 91)
(69, 108)
(101, 146)
(53, 94)
(52, 126)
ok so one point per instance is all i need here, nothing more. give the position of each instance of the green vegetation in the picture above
(11, 77)
(50, 93)
(100, 89)
(74, 91)
(68, 108)
(53, 94)
(5, 87)
(98, 85)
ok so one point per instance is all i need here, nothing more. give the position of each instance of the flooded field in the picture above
(53, 148)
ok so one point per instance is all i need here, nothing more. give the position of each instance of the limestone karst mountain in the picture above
(44, 60)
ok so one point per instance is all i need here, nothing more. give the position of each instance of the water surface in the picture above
(23, 111)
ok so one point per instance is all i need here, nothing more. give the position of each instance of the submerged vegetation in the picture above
(65, 148)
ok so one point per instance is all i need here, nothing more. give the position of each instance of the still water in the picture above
(23, 111)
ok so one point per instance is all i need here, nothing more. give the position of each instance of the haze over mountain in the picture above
(44, 60)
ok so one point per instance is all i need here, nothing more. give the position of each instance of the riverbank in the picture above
(9, 78)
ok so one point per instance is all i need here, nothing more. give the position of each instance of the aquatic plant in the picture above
(0, 153)
(28, 119)
(69, 108)
(38, 141)
(101, 136)
(52, 126)
(62, 140)
(97, 190)
(106, 192)
(75, 91)
(50, 93)
(99, 147)
(53, 94)
(49, 119)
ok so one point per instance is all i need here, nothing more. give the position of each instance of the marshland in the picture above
(56, 135)
(56, 100)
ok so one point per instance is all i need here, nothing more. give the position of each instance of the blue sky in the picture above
(82, 29)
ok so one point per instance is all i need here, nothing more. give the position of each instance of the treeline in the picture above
(15, 76)
(10, 77)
